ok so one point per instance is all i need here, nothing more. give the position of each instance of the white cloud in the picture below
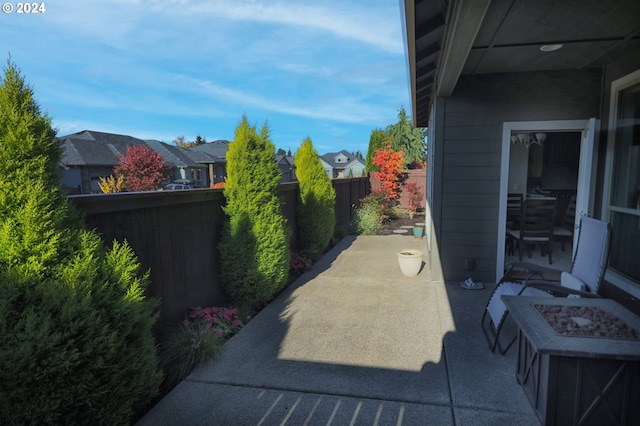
(155, 68)
(367, 23)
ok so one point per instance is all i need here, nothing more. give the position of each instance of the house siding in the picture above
(469, 149)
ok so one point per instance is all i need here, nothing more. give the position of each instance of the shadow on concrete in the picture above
(354, 342)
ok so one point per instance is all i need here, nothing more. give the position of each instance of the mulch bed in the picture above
(398, 222)
(585, 321)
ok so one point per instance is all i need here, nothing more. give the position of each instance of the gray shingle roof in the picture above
(173, 155)
(91, 148)
(216, 148)
(284, 159)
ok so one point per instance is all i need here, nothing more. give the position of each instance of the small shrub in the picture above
(367, 221)
(415, 198)
(189, 346)
(299, 264)
(375, 209)
(199, 339)
(225, 322)
(111, 184)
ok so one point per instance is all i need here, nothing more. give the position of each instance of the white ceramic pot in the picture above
(410, 261)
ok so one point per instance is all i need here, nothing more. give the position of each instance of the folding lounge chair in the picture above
(583, 280)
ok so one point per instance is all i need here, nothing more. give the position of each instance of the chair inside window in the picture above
(536, 227)
(514, 210)
(582, 280)
(564, 232)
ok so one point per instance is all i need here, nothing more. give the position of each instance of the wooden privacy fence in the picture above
(418, 176)
(175, 235)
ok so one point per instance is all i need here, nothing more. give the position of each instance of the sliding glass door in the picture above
(622, 199)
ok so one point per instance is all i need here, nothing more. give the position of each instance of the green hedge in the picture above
(316, 219)
(254, 247)
(75, 327)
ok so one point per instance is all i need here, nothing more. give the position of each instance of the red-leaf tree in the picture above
(142, 168)
(415, 198)
(391, 170)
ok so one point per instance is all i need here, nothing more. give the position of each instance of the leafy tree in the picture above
(183, 143)
(316, 205)
(200, 140)
(75, 326)
(408, 139)
(391, 174)
(376, 141)
(359, 155)
(281, 152)
(254, 247)
(142, 168)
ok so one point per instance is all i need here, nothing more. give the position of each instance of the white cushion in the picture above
(571, 281)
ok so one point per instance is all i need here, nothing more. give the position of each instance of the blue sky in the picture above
(332, 70)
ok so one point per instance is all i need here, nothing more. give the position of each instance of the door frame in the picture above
(586, 170)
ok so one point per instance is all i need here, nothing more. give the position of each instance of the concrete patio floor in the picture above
(355, 342)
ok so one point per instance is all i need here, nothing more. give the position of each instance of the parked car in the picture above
(174, 186)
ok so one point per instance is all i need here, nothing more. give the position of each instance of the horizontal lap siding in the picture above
(471, 152)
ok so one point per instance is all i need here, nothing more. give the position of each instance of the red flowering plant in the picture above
(299, 264)
(198, 339)
(225, 322)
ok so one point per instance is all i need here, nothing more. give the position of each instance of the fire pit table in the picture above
(578, 359)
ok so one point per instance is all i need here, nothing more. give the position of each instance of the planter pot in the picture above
(410, 261)
(418, 231)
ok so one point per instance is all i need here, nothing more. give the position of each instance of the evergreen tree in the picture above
(376, 141)
(408, 139)
(316, 205)
(75, 326)
(254, 248)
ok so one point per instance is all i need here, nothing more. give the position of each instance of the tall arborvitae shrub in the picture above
(254, 247)
(75, 327)
(376, 141)
(316, 204)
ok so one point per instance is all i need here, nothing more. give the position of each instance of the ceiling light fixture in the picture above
(550, 47)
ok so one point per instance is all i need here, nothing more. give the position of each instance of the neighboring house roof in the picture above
(284, 160)
(332, 159)
(173, 155)
(91, 148)
(204, 158)
(217, 148)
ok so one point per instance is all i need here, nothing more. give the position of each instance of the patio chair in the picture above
(536, 226)
(564, 233)
(514, 211)
(582, 280)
